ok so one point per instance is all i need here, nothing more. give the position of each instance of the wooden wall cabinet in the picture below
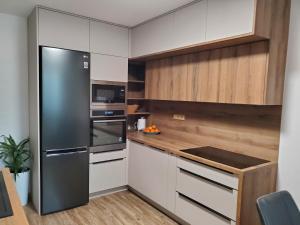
(108, 39)
(236, 75)
(63, 31)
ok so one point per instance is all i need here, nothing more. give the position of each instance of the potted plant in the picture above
(15, 156)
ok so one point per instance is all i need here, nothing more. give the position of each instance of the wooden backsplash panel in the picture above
(250, 130)
(228, 75)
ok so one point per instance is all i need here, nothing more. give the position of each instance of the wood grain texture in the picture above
(227, 75)
(19, 217)
(263, 18)
(254, 184)
(278, 51)
(122, 208)
(249, 130)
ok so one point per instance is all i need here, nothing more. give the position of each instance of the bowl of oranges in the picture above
(153, 130)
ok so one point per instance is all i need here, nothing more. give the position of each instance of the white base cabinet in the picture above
(195, 214)
(148, 172)
(196, 193)
(108, 170)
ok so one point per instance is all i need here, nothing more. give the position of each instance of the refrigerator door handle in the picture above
(52, 154)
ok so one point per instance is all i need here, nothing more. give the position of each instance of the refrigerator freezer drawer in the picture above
(65, 180)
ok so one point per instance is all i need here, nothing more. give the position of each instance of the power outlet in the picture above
(179, 117)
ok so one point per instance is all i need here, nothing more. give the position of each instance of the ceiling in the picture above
(125, 12)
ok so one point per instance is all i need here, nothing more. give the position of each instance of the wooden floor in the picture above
(123, 208)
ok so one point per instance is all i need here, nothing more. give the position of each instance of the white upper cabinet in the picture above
(63, 31)
(190, 24)
(109, 68)
(108, 39)
(153, 36)
(228, 18)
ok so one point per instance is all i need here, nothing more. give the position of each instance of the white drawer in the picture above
(105, 156)
(195, 214)
(107, 175)
(216, 197)
(219, 176)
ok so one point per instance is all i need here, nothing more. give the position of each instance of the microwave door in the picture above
(108, 94)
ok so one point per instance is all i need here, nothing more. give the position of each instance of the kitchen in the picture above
(174, 119)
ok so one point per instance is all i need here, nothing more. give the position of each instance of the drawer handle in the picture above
(107, 161)
(204, 178)
(203, 206)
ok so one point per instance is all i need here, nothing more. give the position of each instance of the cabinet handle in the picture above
(107, 161)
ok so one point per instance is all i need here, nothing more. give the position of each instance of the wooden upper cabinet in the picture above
(108, 39)
(234, 75)
(63, 31)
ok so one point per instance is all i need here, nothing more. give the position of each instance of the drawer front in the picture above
(105, 156)
(195, 214)
(216, 197)
(107, 175)
(210, 173)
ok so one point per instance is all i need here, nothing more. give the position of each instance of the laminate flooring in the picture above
(122, 208)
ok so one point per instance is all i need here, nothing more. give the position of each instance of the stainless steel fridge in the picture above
(64, 128)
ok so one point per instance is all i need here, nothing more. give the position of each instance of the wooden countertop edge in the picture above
(177, 151)
(19, 217)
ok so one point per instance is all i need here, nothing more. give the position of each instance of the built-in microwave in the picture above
(108, 93)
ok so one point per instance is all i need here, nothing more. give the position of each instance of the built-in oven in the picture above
(108, 129)
(108, 93)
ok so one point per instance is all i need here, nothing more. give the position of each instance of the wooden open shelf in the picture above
(139, 114)
(136, 99)
(136, 81)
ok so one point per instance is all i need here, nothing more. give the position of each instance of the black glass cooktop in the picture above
(5, 207)
(225, 157)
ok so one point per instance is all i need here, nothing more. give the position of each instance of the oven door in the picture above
(108, 134)
(108, 93)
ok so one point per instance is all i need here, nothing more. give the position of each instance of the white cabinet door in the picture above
(227, 18)
(190, 24)
(108, 39)
(148, 172)
(107, 175)
(153, 36)
(109, 68)
(63, 31)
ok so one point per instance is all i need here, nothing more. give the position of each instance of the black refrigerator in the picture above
(64, 128)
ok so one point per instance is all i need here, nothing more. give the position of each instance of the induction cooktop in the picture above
(5, 207)
(225, 157)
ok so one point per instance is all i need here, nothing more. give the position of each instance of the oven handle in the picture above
(105, 121)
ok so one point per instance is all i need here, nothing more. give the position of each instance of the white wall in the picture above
(13, 76)
(289, 151)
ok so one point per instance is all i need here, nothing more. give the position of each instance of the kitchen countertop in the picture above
(18, 217)
(174, 146)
